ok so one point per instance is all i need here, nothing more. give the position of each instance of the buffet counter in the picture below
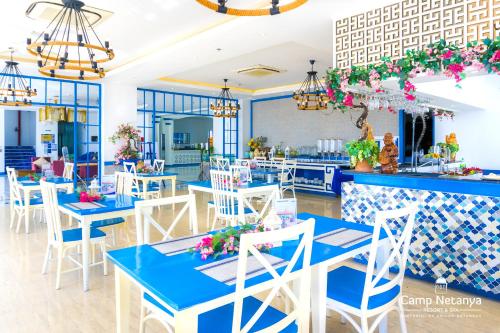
(320, 176)
(456, 233)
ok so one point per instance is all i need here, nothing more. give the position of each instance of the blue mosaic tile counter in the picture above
(457, 229)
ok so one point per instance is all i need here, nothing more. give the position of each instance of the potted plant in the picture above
(363, 154)
(128, 136)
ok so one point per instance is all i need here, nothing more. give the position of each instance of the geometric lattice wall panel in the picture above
(364, 38)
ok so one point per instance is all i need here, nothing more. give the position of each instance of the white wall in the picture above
(2, 142)
(280, 121)
(478, 132)
(119, 105)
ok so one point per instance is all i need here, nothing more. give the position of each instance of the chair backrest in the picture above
(131, 171)
(399, 245)
(143, 216)
(158, 165)
(51, 210)
(219, 163)
(68, 170)
(123, 183)
(301, 257)
(222, 190)
(261, 162)
(241, 171)
(15, 190)
(288, 169)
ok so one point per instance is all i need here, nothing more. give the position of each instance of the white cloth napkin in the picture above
(343, 237)
(225, 270)
(178, 245)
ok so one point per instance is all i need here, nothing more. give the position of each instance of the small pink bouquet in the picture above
(227, 242)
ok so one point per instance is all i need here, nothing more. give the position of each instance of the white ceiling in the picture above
(182, 40)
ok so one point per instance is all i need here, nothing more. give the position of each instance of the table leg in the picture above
(241, 209)
(186, 322)
(191, 193)
(318, 298)
(145, 182)
(173, 186)
(382, 257)
(269, 178)
(27, 195)
(85, 252)
(122, 300)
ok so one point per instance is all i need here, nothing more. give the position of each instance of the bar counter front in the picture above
(457, 228)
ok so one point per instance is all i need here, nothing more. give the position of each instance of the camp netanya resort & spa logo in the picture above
(442, 304)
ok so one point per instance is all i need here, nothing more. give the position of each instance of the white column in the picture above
(119, 105)
(244, 126)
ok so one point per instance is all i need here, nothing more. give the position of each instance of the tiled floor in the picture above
(30, 303)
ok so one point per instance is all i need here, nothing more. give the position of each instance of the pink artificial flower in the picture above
(375, 84)
(447, 55)
(495, 57)
(348, 99)
(430, 72)
(409, 87)
(362, 83)
(455, 70)
(477, 66)
(329, 92)
(410, 97)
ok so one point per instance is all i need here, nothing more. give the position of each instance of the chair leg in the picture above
(60, 254)
(142, 325)
(93, 252)
(47, 259)
(104, 257)
(208, 216)
(19, 221)
(113, 237)
(12, 217)
(364, 325)
(402, 321)
(70, 221)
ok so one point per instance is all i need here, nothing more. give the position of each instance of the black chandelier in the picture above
(225, 106)
(14, 90)
(311, 94)
(69, 48)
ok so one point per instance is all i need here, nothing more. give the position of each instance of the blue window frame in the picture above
(153, 103)
(80, 96)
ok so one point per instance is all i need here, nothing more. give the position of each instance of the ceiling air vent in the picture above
(259, 71)
(47, 10)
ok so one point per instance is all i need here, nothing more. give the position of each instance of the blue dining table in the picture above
(174, 282)
(243, 194)
(111, 207)
(29, 186)
(146, 178)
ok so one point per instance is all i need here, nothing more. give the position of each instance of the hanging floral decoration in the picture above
(437, 58)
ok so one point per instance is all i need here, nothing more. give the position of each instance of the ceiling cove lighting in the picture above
(311, 94)
(69, 48)
(14, 90)
(225, 107)
(274, 9)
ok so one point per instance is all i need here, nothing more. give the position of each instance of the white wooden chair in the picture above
(143, 217)
(225, 203)
(373, 293)
(68, 170)
(63, 240)
(248, 313)
(17, 204)
(130, 169)
(287, 176)
(219, 163)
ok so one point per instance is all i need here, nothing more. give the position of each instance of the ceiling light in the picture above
(275, 8)
(225, 106)
(14, 90)
(69, 48)
(311, 94)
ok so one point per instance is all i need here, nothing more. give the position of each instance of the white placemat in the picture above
(343, 237)
(84, 205)
(225, 270)
(178, 245)
(28, 182)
